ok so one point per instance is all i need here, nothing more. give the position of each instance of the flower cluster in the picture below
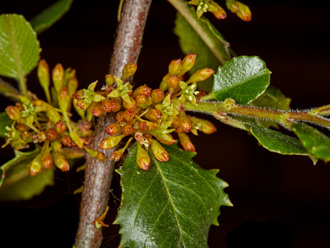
(146, 115)
(47, 125)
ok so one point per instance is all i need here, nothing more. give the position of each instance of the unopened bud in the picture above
(56, 146)
(106, 105)
(127, 129)
(130, 105)
(244, 12)
(35, 166)
(21, 127)
(185, 123)
(157, 95)
(111, 141)
(217, 11)
(13, 112)
(41, 136)
(116, 155)
(173, 81)
(46, 160)
(129, 70)
(142, 90)
(129, 115)
(153, 115)
(174, 67)
(61, 162)
(114, 105)
(78, 94)
(72, 85)
(109, 80)
(60, 127)
(165, 138)
(66, 140)
(142, 158)
(44, 78)
(163, 84)
(120, 116)
(113, 129)
(97, 109)
(201, 75)
(64, 99)
(232, 5)
(141, 101)
(187, 63)
(80, 111)
(159, 151)
(186, 142)
(207, 127)
(96, 154)
(58, 76)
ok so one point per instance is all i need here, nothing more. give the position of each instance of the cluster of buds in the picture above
(47, 124)
(148, 116)
(240, 9)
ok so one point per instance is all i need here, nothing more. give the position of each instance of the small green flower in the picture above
(90, 95)
(188, 92)
(122, 90)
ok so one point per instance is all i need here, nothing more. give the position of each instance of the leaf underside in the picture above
(172, 204)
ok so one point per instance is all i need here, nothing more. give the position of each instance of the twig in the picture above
(98, 175)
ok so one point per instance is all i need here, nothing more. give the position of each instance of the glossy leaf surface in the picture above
(49, 16)
(243, 79)
(4, 121)
(313, 140)
(172, 204)
(19, 47)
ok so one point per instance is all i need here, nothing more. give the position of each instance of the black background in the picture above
(278, 200)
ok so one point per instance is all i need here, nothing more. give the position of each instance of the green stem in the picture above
(182, 8)
(230, 107)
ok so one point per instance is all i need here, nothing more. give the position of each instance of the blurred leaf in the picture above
(19, 47)
(49, 16)
(17, 184)
(4, 121)
(8, 90)
(192, 43)
(242, 78)
(173, 204)
(313, 140)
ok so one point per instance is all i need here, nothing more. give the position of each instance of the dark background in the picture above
(279, 201)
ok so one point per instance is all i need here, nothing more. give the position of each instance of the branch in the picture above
(98, 175)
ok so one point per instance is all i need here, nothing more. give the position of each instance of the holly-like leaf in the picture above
(172, 204)
(19, 47)
(16, 182)
(243, 78)
(278, 142)
(208, 44)
(313, 140)
(49, 16)
(4, 122)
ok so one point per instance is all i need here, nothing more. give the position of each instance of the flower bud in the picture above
(159, 151)
(64, 99)
(80, 111)
(142, 158)
(129, 115)
(58, 76)
(141, 101)
(185, 123)
(78, 94)
(201, 75)
(127, 129)
(173, 81)
(72, 85)
(13, 112)
(129, 70)
(97, 109)
(96, 154)
(46, 160)
(174, 67)
(142, 90)
(207, 127)
(35, 166)
(56, 146)
(232, 5)
(66, 140)
(244, 12)
(116, 155)
(61, 162)
(111, 141)
(165, 138)
(130, 105)
(153, 115)
(120, 116)
(109, 80)
(113, 129)
(187, 63)
(186, 142)
(115, 105)
(44, 78)
(217, 11)
(21, 127)
(41, 136)
(163, 84)
(106, 105)
(60, 127)
(157, 95)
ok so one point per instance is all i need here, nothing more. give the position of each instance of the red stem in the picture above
(98, 175)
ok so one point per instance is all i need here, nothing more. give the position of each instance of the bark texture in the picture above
(98, 175)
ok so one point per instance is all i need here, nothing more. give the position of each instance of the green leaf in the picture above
(17, 184)
(191, 42)
(278, 142)
(313, 140)
(49, 16)
(8, 90)
(243, 78)
(172, 204)
(19, 47)
(4, 122)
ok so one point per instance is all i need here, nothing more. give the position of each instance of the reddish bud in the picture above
(130, 105)
(165, 138)
(115, 105)
(35, 166)
(217, 11)
(174, 67)
(153, 115)
(157, 95)
(185, 123)
(51, 134)
(186, 142)
(116, 155)
(173, 81)
(201, 75)
(97, 109)
(61, 162)
(58, 76)
(60, 127)
(159, 151)
(244, 12)
(66, 140)
(113, 129)
(141, 101)
(56, 146)
(142, 90)
(142, 158)
(129, 115)
(129, 70)
(128, 129)
(13, 112)
(78, 94)
(46, 160)
(120, 116)
(106, 105)
(187, 63)
(110, 142)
